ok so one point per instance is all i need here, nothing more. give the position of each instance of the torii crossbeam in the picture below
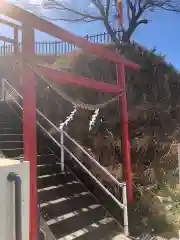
(28, 23)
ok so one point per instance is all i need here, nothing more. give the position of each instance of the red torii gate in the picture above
(30, 22)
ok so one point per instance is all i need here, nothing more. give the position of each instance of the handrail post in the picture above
(62, 150)
(2, 90)
(125, 211)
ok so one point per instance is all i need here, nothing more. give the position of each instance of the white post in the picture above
(178, 151)
(125, 211)
(62, 150)
(2, 90)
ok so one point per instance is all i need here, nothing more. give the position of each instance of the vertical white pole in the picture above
(178, 151)
(126, 227)
(2, 90)
(62, 150)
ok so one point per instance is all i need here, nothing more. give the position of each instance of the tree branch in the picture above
(108, 7)
(78, 13)
(128, 13)
(100, 7)
(143, 21)
(101, 12)
(82, 19)
(112, 34)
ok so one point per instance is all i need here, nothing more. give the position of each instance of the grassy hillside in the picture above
(153, 105)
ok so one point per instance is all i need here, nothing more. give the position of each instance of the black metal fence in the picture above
(56, 47)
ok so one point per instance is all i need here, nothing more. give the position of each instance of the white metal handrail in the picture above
(73, 141)
(123, 205)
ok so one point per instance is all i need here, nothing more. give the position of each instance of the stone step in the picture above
(64, 206)
(10, 130)
(11, 145)
(76, 222)
(54, 179)
(104, 229)
(48, 169)
(13, 153)
(46, 159)
(56, 193)
(11, 137)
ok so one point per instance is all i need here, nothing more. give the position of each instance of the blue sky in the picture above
(162, 32)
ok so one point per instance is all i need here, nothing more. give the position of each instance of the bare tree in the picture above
(106, 11)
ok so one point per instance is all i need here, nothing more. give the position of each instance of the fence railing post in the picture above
(126, 227)
(56, 48)
(62, 150)
(3, 93)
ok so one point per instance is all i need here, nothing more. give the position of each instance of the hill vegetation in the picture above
(154, 113)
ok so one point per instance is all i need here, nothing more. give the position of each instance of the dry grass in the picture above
(153, 104)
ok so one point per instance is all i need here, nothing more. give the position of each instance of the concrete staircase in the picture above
(11, 140)
(68, 209)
